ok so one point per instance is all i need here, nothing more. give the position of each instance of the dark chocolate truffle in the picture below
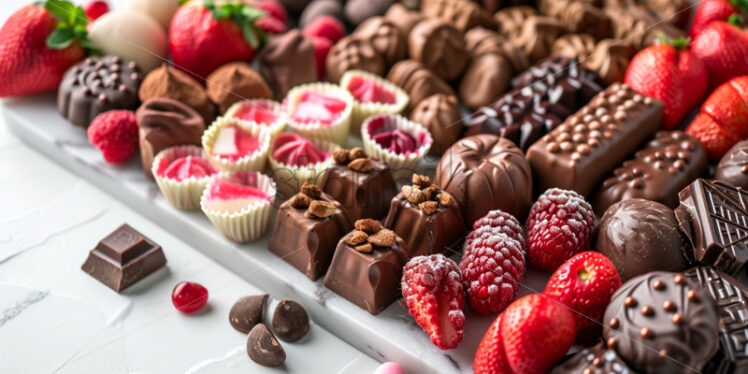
(97, 85)
(288, 61)
(290, 321)
(247, 312)
(439, 46)
(234, 82)
(403, 18)
(662, 323)
(317, 8)
(351, 53)
(594, 360)
(263, 348)
(418, 81)
(357, 11)
(462, 14)
(639, 236)
(171, 83)
(485, 172)
(440, 114)
(294, 6)
(385, 37)
(733, 167)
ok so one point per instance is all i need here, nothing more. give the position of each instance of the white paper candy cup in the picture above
(184, 194)
(273, 128)
(362, 111)
(402, 165)
(337, 132)
(254, 161)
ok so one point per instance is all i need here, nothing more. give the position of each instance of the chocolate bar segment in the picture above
(592, 142)
(363, 194)
(124, 257)
(666, 165)
(713, 216)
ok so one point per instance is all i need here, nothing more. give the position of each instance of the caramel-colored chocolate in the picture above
(351, 53)
(362, 193)
(439, 46)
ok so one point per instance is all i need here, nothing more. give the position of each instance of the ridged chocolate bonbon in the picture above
(594, 360)
(579, 153)
(733, 167)
(439, 46)
(287, 61)
(440, 114)
(579, 16)
(463, 14)
(385, 37)
(418, 81)
(353, 53)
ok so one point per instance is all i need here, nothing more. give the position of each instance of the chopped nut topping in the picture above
(445, 199)
(357, 237)
(300, 201)
(311, 190)
(368, 225)
(321, 208)
(429, 207)
(430, 192)
(365, 248)
(415, 196)
(422, 181)
(356, 153)
(340, 156)
(361, 165)
(383, 238)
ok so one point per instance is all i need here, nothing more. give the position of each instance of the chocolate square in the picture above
(305, 241)
(369, 280)
(124, 257)
(363, 195)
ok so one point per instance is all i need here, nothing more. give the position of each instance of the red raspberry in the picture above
(95, 9)
(115, 134)
(270, 25)
(322, 47)
(503, 222)
(492, 268)
(432, 288)
(325, 27)
(274, 9)
(561, 224)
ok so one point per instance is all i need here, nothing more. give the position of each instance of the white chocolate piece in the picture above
(132, 36)
(160, 10)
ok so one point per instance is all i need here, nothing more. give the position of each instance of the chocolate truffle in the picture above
(234, 82)
(662, 323)
(440, 114)
(290, 321)
(427, 218)
(712, 215)
(97, 85)
(263, 348)
(462, 14)
(368, 265)
(639, 236)
(288, 61)
(163, 123)
(638, 27)
(385, 37)
(594, 360)
(357, 11)
(676, 12)
(511, 19)
(733, 167)
(486, 172)
(439, 46)
(403, 18)
(247, 312)
(610, 60)
(294, 6)
(353, 53)
(418, 81)
(171, 83)
(537, 36)
(577, 46)
(363, 185)
(307, 229)
(579, 16)
(317, 8)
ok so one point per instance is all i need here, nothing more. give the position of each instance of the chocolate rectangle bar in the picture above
(364, 194)
(666, 165)
(714, 218)
(580, 152)
(124, 257)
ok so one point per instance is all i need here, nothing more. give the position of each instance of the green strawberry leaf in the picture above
(182, 2)
(681, 43)
(740, 4)
(61, 38)
(60, 9)
(244, 16)
(251, 14)
(250, 35)
(736, 20)
(71, 26)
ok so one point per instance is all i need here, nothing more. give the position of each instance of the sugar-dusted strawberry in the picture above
(325, 27)
(561, 224)
(723, 48)
(115, 134)
(432, 288)
(322, 47)
(490, 357)
(204, 36)
(715, 10)
(671, 73)
(585, 284)
(95, 9)
(723, 119)
(537, 331)
(38, 43)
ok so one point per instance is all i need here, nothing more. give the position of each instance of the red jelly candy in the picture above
(188, 297)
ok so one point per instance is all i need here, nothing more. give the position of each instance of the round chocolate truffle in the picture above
(357, 11)
(96, 85)
(352, 53)
(733, 167)
(317, 8)
(295, 6)
(594, 360)
(489, 71)
(439, 46)
(386, 38)
(486, 172)
(440, 114)
(287, 61)
(171, 83)
(663, 323)
(417, 81)
(404, 18)
(640, 236)
(236, 81)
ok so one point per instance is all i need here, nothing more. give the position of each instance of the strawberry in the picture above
(715, 10)
(671, 73)
(95, 9)
(585, 284)
(536, 331)
(723, 48)
(322, 47)
(38, 43)
(204, 36)
(274, 9)
(490, 357)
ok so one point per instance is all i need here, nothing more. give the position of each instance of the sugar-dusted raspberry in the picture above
(561, 224)
(115, 134)
(432, 288)
(492, 265)
(503, 222)
(325, 27)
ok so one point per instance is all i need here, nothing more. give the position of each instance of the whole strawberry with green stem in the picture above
(715, 10)
(38, 43)
(723, 48)
(670, 72)
(205, 35)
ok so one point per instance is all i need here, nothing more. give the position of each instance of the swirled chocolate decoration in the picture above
(610, 59)
(353, 53)
(579, 16)
(511, 19)
(439, 46)
(577, 46)
(733, 167)
(385, 37)
(462, 14)
(639, 28)
(537, 36)
(418, 81)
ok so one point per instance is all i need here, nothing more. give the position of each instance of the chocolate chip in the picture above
(357, 237)
(445, 199)
(368, 225)
(263, 348)
(321, 209)
(340, 156)
(429, 207)
(361, 165)
(290, 321)
(384, 238)
(422, 181)
(356, 153)
(247, 312)
(300, 201)
(365, 248)
(311, 190)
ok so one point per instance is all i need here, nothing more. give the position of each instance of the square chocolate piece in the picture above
(365, 193)
(124, 257)
(306, 240)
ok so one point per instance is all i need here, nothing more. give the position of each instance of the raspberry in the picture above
(322, 47)
(325, 27)
(432, 288)
(270, 25)
(492, 268)
(274, 9)
(115, 134)
(503, 222)
(95, 9)
(561, 224)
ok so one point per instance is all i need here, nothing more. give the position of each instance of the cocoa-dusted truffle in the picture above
(385, 37)
(418, 81)
(171, 83)
(439, 46)
(164, 123)
(640, 236)
(485, 172)
(462, 14)
(317, 8)
(353, 53)
(403, 18)
(357, 11)
(537, 36)
(288, 61)
(234, 82)
(579, 16)
(733, 167)
(440, 114)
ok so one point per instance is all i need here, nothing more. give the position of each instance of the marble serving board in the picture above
(390, 336)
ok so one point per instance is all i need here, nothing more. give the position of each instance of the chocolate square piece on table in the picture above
(364, 186)
(307, 230)
(368, 265)
(426, 217)
(124, 257)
